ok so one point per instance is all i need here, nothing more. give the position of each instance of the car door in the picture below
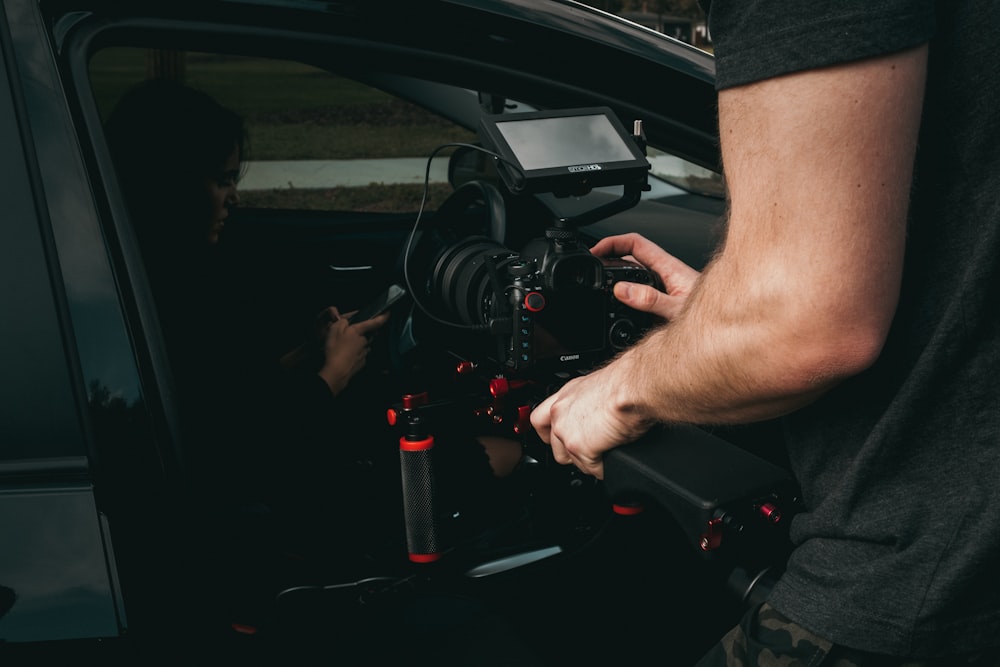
(58, 574)
(295, 244)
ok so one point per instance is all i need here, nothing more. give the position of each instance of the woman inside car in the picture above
(276, 447)
(265, 424)
(266, 458)
(178, 155)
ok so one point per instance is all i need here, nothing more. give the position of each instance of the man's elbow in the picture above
(836, 354)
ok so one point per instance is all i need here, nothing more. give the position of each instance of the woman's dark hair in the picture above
(165, 139)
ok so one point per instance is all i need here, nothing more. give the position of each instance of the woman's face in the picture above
(222, 194)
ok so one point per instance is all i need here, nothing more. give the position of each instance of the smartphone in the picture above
(380, 304)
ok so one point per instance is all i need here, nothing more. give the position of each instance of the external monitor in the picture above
(566, 152)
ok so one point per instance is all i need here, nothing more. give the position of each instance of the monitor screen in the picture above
(565, 151)
(545, 143)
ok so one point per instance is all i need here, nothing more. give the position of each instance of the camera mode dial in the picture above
(622, 333)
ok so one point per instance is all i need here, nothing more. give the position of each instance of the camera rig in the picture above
(519, 324)
(550, 306)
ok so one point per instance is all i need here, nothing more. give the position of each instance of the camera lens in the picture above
(461, 278)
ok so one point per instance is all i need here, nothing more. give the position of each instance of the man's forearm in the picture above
(802, 295)
(803, 292)
(707, 366)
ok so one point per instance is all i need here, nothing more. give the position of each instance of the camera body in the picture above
(565, 315)
(549, 308)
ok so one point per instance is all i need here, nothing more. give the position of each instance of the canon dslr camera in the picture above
(549, 306)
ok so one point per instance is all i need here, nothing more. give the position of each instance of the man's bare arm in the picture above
(819, 167)
(801, 296)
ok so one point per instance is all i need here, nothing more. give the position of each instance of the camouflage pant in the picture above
(765, 638)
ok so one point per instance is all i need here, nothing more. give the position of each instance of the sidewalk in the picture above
(327, 173)
(309, 174)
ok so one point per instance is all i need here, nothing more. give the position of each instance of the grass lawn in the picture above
(392, 197)
(298, 112)
(293, 111)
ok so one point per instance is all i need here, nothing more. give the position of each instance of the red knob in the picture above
(411, 401)
(534, 301)
(501, 386)
(770, 512)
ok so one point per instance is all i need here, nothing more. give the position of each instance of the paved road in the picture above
(324, 173)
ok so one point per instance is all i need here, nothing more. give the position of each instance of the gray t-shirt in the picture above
(898, 549)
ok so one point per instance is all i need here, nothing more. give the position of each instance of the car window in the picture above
(323, 141)
(685, 175)
(318, 140)
(38, 411)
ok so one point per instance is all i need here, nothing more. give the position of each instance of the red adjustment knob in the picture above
(523, 424)
(627, 508)
(711, 539)
(534, 301)
(391, 416)
(464, 367)
(770, 512)
(501, 386)
(411, 401)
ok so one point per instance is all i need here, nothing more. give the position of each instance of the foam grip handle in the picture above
(420, 501)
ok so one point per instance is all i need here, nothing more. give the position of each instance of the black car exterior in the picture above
(96, 552)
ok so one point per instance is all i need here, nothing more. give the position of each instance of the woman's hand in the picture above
(309, 354)
(345, 346)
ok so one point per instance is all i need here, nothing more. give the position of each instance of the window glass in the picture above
(318, 140)
(38, 411)
(685, 175)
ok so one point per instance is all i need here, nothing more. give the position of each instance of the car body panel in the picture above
(55, 562)
(74, 363)
(55, 566)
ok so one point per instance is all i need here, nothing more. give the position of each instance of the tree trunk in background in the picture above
(163, 64)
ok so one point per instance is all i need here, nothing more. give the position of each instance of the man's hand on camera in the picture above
(589, 416)
(678, 278)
